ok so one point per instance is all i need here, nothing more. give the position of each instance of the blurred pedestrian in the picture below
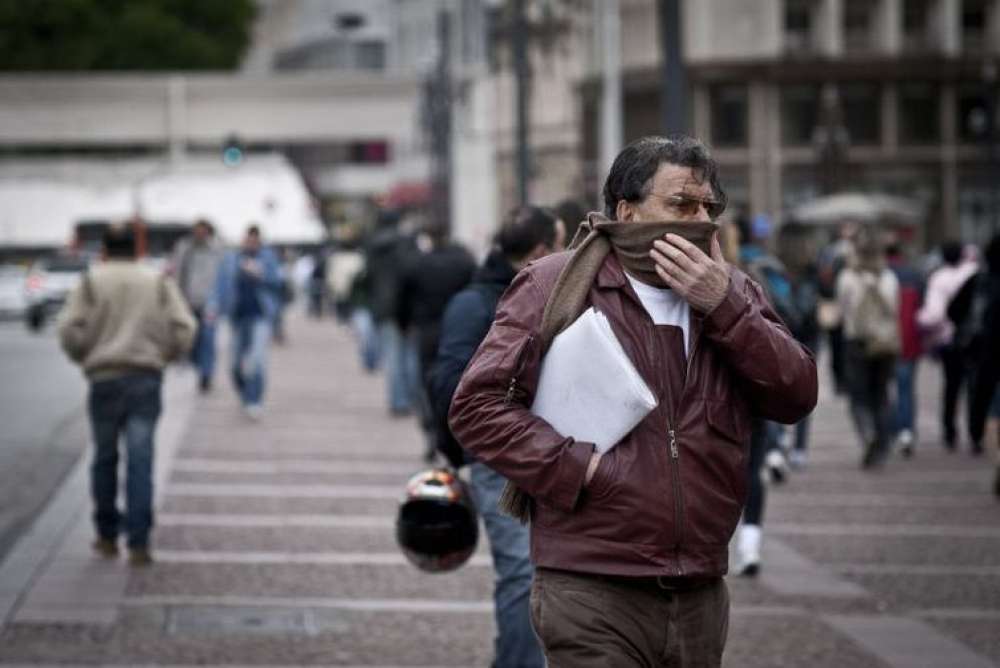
(122, 324)
(286, 296)
(832, 260)
(528, 233)
(942, 287)
(249, 291)
(911, 291)
(427, 281)
(630, 546)
(978, 336)
(385, 254)
(868, 295)
(572, 213)
(317, 285)
(195, 266)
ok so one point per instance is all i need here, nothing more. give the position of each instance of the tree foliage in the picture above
(70, 35)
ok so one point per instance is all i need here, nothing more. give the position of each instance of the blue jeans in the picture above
(516, 643)
(251, 340)
(369, 345)
(906, 376)
(402, 368)
(203, 350)
(129, 406)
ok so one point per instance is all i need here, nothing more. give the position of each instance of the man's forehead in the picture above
(671, 178)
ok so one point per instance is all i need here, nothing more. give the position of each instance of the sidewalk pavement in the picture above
(275, 547)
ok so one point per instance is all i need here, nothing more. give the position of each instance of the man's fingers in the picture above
(678, 256)
(688, 248)
(717, 249)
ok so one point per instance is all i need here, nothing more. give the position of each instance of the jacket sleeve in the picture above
(180, 321)
(76, 325)
(463, 328)
(777, 373)
(490, 415)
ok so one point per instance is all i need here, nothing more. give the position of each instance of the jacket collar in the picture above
(611, 274)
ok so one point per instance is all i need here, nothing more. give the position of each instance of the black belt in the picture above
(661, 583)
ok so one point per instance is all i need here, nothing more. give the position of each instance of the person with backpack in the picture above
(868, 295)
(529, 233)
(911, 290)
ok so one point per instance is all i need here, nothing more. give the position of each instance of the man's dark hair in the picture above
(572, 213)
(119, 241)
(951, 252)
(633, 170)
(524, 228)
(204, 223)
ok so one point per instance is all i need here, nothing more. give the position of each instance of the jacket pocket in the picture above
(509, 359)
(604, 476)
(728, 421)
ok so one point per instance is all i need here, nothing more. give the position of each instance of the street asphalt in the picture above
(44, 427)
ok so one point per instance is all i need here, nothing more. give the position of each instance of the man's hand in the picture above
(701, 280)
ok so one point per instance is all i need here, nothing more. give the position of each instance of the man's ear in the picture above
(624, 212)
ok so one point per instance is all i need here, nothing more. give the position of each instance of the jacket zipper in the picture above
(678, 498)
(675, 456)
(518, 368)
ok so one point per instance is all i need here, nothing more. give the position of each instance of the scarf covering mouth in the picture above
(598, 236)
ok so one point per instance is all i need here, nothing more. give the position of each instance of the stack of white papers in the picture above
(588, 388)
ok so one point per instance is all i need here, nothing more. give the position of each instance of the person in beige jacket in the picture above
(122, 324)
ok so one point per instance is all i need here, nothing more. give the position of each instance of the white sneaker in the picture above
(748, 550)
(904, 441)
(777, 466)
(253, 411)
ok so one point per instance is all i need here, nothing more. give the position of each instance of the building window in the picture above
(973, 25)
(862, 107)
(916, 25)
(799, 114)
(730, 108)
(859, 21)
(973, 113)
(798, 23)
(919, 113)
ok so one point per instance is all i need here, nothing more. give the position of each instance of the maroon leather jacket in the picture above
(666, 499)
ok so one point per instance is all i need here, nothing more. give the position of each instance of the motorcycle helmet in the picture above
(437, 527)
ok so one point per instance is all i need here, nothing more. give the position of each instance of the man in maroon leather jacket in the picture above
(630, 547)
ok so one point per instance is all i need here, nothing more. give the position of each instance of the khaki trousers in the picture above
(590, 621)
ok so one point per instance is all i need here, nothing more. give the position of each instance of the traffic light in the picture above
(232, 151)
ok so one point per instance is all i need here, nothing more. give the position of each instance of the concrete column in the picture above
(948, 19)
(891, 26)
(176, 119)
(890, 118)
(948, 226)
(611, 91)
(772, 158)
(830, 28)
(993, 27)
(702, 112)
(759, 147)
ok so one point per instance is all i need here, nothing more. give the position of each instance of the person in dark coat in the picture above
(528, 234)
(428, 280)
(385, 252)
(980, 342)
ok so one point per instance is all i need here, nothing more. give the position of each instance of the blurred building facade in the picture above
(796, 97)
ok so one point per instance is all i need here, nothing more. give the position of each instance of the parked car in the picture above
(47, 285)
(13, 301)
